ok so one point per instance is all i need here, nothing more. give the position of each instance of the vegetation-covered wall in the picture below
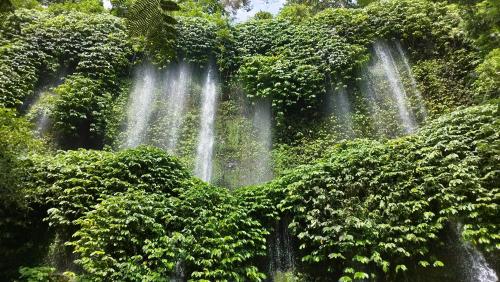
(357, 199)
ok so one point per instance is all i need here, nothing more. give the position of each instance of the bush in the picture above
(17, 222)
(40, 46)
(377, 209)
(80, 112)
(487, 84)
(69, 184)
(153, 236)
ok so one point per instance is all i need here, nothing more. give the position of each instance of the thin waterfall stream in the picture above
(393, 77)
(383, 87)
(281, 255)
(176, 94)
(140, 104)
(476, 268)
(40, 113)
(107, 5)
(205, 148)
(343, 111)
(262, 123)
(407, 68)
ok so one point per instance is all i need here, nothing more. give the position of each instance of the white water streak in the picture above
(262, 122)
(369, 92)
(388, 64)
(139, 109)
(417, 93)
(41, 113)
(177, 90)
(343, 110)
(281, 250)
(107, 4)
(479, 269)
(203, 168)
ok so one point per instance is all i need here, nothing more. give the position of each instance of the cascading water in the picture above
(42, 123)
(343, 111)
(262, 123)
(393, 77)
(107, 4)
(178, 275)
(139, 109)
(176, 94)
(280, 251)
(204, 152)
(367, 88)
(414, 87)
(476, 268)
(40, 113)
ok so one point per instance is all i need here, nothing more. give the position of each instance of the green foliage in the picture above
(197, 39)
(43, 46)
(295, 12)
(384, 205)
(153, 20)
(293, 71)
(44, 274)
(26, 4)
(447, 82)
(5, 6)
(71, 183)
(16, 143)
(485, 25)
(296, 63)
(482, 22)
(282, 81)
(318, 5)
(81, 111)
(201, 231)
(487, 84)
(262, 15)
(85, 6)
(202, 8)
(355, 209)
(124, 239)
(40, 44)
(138, 215)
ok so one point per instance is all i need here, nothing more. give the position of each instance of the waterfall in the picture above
(413, 83)
(385, 93)
(367, 88)
(178, 275)
(475, 266)
(59, 255)
(393, 77)
(204, 152)
(262, 123)
(39, 112)
(42, 123)
(140, 103)
(107, 4)
(480, 270)
(176, 93)
(343, 111)
(280, 250)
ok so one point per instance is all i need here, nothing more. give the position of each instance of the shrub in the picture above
(201, 232)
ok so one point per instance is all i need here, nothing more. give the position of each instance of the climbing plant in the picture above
(371, 209)
(45, 45)
(17, 222)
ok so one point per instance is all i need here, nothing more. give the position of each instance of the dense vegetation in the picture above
(76, 205)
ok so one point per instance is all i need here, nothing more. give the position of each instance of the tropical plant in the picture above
(16, 220)
(152, 22)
